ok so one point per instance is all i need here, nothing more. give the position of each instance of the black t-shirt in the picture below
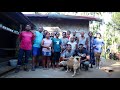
(78, 52)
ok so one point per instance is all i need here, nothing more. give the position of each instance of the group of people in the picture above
(54, 49)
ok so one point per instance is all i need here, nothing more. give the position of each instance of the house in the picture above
(62, 22)
(11, 24)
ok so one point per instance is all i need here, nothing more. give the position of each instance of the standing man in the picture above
(89, 47)
(64, 40)
(26, 39)
(83, 40)
(73, 43)
(73, 34)
(36, 47)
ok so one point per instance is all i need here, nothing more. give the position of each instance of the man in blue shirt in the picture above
(56, 49)
(36, 47)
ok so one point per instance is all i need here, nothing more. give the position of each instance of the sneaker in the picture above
(97, 67)
(86, 68)
(91, 66)
(26, 69)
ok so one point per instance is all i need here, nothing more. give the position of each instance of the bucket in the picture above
(13, 63)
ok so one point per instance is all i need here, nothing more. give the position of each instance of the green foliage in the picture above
(119, 49)
(116, 18)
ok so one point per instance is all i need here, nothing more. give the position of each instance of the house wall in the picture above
(64, 25)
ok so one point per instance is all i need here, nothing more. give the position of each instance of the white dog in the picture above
(63, 63)
(73, 63)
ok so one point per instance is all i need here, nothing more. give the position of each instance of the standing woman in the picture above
(56, 49)
(26, 38)
(98, 44)
(46, 50)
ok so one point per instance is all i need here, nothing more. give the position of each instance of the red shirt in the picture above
(26, 39)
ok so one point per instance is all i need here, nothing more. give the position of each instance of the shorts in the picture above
(56, 56)
(97, 55)
(36, 51)
(46, 53)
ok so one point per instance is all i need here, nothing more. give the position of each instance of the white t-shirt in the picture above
(73, 44)
(47, 42)
(64, 42)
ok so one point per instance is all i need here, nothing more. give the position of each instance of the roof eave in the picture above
(24, 18)
(64, 17)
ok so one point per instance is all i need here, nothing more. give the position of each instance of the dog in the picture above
(73, 63)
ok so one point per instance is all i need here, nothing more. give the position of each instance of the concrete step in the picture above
(5, 68)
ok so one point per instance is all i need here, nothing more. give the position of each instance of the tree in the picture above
(116, 19)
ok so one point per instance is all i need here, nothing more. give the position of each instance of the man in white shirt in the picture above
(73, 43)
(83, 40)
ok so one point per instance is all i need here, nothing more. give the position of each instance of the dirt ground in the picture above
(58, 73)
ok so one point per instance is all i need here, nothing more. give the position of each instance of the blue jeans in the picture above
(92, 58)
(21, 54)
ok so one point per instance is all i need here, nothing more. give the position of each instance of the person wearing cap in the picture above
(97, 45)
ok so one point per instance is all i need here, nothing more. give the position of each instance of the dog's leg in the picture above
(74, 72)
(78, 70)
(67, 69)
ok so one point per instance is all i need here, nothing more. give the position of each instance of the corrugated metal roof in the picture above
(18, 16)
(63, 17)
